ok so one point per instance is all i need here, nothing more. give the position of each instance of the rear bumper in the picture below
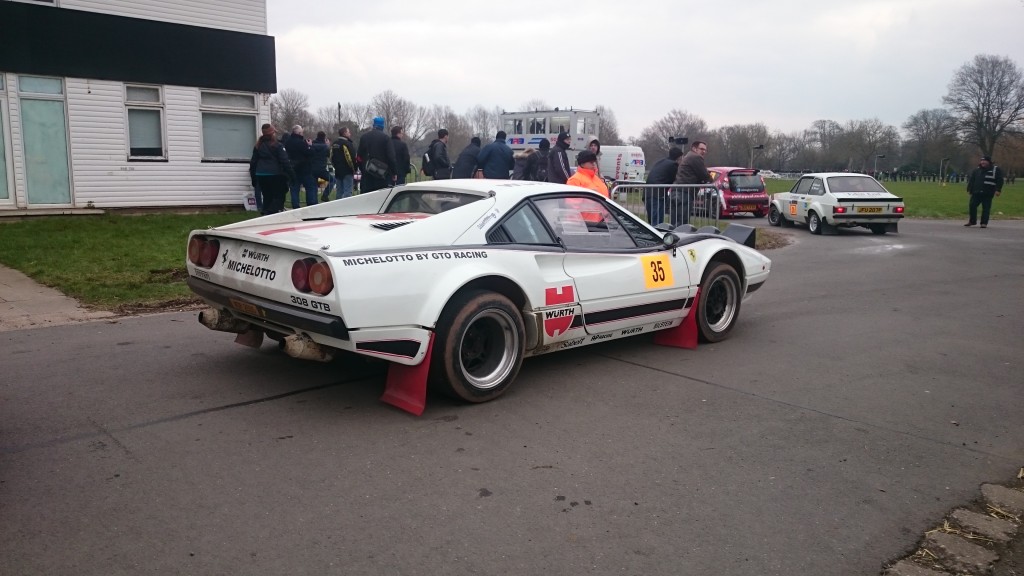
(262, 311)
(854, 219)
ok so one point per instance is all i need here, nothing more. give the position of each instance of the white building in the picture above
(130, 103)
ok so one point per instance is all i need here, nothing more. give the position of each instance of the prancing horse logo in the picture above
(224, 256)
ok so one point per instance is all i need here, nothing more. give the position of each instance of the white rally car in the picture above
(831, 200)
(456, 281)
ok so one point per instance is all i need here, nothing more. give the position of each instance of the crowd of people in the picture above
(282, 169)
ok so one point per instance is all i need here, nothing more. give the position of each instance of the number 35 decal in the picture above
(657, 271)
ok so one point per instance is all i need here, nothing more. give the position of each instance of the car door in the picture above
(797, 209)
(624, 277)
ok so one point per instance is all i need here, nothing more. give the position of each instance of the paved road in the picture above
(871, 386)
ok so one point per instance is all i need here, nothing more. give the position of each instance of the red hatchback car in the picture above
(737, 190)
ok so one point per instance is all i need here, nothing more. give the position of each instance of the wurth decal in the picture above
(557, 322)
(560, 295)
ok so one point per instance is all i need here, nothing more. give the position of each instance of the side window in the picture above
(584, 224)
(817, 188)
(638, 231)
(803, 186)
(524, 226)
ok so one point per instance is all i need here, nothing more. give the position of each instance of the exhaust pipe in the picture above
(302, 347)
(216, 320)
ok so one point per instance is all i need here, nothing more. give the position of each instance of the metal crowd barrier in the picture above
(674, 204)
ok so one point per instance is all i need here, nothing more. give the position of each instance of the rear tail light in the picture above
(203, 251)
(300, 273)
(309, 275)
(839, 209)
(320, 280)
(898, 210)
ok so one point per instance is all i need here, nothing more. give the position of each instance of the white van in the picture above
(622, 163)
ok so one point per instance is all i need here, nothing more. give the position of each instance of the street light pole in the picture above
(752, 148)
(875, 172)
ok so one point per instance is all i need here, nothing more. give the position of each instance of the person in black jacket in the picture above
(692, 170)
(558, 160)
(663, 172)
(376, 157)
(270, 170)
(343, 157)
(300, 152)
(321, 154)
(496, 159)
(403, 162)
(984, 183)
(439, 156)
(465, 164)
(543, 152)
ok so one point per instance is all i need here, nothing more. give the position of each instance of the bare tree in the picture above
(459, 130)
(357, 116)
(931, 137)
(864, 140)
(987, 98)
(288, 108)
(609, 127)
(534, 104)
(733, 144)
(654, 138)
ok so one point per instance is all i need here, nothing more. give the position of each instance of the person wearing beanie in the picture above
(586, 175)
(543, 151)
(558, 160)
(376, 158)
(984, 183)
(663, 172)
(465, 164)
(595, 147)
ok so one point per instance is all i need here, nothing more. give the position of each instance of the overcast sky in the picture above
(782, 62)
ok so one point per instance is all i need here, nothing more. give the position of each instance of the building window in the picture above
(40, 85)
(144, 105)
(229, 125)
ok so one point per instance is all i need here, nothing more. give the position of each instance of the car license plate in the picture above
(251, 309)
(869, 209)
(747, 207)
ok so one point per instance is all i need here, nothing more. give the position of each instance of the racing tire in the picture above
(719, 304)
(775, 217)
(814, 222)
(878, 229)
(479, 346)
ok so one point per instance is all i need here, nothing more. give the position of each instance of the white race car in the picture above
(455, 282)
(830, 200)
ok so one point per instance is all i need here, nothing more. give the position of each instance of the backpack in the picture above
(427, 164)
(542, 167)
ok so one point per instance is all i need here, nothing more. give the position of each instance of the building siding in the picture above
(105, 178)
(238, 15)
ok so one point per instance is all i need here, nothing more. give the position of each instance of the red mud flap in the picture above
(684, 335)
(406, 386)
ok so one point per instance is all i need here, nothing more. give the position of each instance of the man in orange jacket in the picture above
(586, 174)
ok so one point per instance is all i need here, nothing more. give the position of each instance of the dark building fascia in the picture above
(47, 41)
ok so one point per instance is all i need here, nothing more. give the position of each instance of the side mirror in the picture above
(670, 240)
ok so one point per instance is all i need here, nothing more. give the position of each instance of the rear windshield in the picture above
(854, 184)
(745, 183)
(428, 202)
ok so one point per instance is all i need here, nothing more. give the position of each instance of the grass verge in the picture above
(113, 262)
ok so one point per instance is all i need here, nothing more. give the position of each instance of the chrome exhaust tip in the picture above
(214, 319)
(304, 348)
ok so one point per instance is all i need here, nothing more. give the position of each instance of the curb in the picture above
(971, 539)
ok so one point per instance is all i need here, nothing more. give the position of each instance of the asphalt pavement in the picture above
(870, 389)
